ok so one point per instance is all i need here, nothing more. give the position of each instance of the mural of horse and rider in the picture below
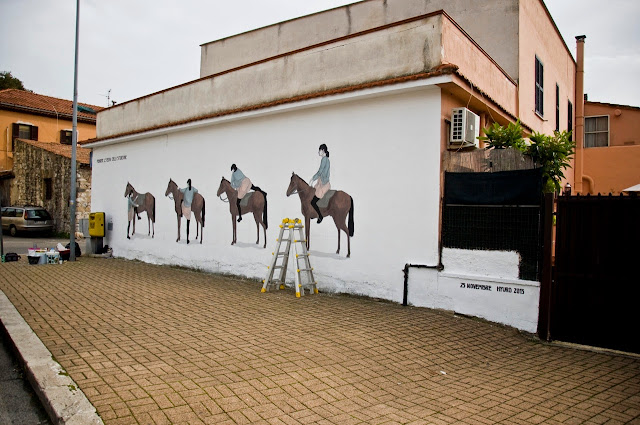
(139, 203)
(187, 201)
(241, 201)
(317, 201)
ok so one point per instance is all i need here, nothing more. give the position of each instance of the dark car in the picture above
(26, 219)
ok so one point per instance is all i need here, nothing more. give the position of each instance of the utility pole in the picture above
(74, 144)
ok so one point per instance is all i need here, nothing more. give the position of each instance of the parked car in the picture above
(26, 219)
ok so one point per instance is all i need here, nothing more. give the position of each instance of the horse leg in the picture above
(134, 226)
(256, 217)
(233, 224)
(149, 224)
(341, 225)
(178, 215)
(128, 226)
(201, 230)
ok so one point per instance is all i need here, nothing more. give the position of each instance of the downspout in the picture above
(579, 134)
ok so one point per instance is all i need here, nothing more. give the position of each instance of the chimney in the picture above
(580, 98)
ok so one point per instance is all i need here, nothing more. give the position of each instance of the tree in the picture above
(8, 81)
(552, 153)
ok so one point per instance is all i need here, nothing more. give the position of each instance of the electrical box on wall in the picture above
(96, 224)
(465, 129)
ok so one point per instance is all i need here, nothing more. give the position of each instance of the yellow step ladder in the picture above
(277, 271)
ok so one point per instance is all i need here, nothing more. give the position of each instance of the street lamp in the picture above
(74, 143)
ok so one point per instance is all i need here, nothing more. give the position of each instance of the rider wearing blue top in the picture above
(187, 198)
(322, 184)
(131, 210)
(242, 184)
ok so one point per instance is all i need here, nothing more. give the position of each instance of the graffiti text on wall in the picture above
(111, 159)
(505, 289)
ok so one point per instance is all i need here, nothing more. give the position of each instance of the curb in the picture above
(65, 403)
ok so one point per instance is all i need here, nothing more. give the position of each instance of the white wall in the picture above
(385, 152)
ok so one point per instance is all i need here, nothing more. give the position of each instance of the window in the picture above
(539, 87)
(596, 131)
(23, 131)
(570, 119)
(38, 214)
(66, 137)
(557, 108)
(48, 189)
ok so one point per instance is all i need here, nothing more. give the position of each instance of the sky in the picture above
(131, 48)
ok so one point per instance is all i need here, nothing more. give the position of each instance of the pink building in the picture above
(611, 147)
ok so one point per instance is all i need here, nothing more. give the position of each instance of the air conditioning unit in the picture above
(465, 129)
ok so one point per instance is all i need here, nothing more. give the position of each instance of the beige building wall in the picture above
(48, 131)
(539, 37)
(492, 24)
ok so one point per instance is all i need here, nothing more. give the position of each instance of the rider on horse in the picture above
(322, 185)
(242, 184)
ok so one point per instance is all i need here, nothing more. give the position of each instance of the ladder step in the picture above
(305, 270)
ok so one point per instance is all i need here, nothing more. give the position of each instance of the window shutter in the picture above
(34, 133)
(15, 132)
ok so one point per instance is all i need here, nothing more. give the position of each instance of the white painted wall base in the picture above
(506, 300)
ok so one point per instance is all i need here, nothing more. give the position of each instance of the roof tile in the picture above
(82, 154)
(26, 99)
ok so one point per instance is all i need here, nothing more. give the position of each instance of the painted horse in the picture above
(339, 207)
(146, 203)
(197, 208)
(256, 204)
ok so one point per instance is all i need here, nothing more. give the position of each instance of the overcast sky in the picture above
(137, 47)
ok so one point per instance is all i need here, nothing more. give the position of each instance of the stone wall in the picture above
(32, 166)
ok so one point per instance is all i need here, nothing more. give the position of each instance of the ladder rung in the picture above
(305, 270)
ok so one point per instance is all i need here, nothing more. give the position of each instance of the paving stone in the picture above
(152, 344)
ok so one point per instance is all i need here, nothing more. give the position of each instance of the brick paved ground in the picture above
(159, 345)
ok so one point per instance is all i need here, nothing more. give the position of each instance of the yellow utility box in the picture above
(96, 225)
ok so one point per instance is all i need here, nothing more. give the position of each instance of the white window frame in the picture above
(597, 132)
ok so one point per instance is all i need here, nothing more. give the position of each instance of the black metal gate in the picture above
(596, 290)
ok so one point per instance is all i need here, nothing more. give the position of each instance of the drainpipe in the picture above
(579, 133)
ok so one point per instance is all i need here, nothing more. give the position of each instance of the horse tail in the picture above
(351, 226)
(264, 212)
(203, 204)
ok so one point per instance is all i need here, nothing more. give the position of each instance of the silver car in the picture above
(26, 219)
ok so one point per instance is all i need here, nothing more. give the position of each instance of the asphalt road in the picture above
(20, 244)
(18, 403)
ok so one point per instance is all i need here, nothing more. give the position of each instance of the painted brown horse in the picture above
(257, 205)
(146, 203)
(340, 206)
(197, 208)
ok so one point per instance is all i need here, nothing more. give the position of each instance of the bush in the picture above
(551, 153)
